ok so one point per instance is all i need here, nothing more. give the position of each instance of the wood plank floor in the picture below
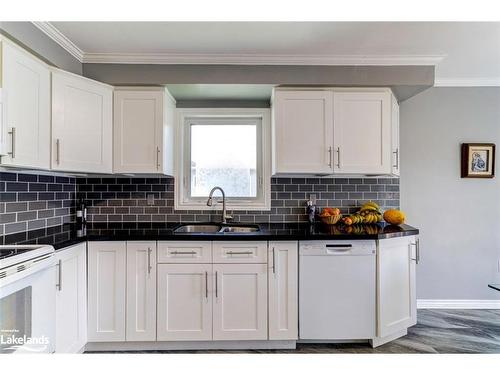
(437, 331)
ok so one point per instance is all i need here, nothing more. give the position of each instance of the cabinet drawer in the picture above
(240, 252)
(184, 252)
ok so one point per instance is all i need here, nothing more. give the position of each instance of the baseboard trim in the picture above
(458, 304)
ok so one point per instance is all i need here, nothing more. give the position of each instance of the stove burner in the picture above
(10, 252)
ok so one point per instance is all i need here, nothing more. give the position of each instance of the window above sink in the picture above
(222, 147)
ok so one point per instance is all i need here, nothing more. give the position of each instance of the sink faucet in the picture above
(225, 217)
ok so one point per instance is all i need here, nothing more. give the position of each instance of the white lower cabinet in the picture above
(240, 302)
(283, 290)
(396, 292)
(106, 291)
(71, 299)
(184, 302)
(141, 291)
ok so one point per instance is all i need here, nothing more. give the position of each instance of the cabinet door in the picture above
(395, 136)
(106, 291)
(362, 132)
(82, 124)
(396, 293)
(138, 122)
(184, 302)
(26, 102)
(141, 291)
(283, 290)
(71, 299)
(302, 131)
(240, 302)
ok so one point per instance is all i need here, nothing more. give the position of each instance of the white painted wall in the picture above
(459, 218)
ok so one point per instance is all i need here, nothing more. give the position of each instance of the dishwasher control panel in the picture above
(337, 247)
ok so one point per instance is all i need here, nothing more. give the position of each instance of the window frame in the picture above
(189, 116)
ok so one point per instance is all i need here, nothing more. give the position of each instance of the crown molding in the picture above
(61, 39)
(467, 82)
(258, 59)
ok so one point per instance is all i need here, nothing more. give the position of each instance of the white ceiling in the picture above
(467, 53)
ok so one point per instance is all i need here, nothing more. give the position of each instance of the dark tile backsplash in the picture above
(125, 199)
(31, 201)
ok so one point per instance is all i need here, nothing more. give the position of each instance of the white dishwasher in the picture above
(337, 282)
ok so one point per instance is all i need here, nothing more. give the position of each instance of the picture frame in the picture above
(478, 160)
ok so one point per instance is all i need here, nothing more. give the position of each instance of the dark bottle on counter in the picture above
(81, 213)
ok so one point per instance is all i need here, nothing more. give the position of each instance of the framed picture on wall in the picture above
(478, 160)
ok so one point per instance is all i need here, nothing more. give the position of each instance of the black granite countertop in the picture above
(69, 234)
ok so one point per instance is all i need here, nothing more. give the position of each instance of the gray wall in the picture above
(31, 38)
(459, 218)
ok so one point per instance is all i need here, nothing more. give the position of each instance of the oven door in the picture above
(27, 311)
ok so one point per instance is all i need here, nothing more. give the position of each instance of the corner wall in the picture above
(459, 218)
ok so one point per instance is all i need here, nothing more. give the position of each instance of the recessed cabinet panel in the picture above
(184, 302)
(184, 252)
(82, 125)
(283, 290)
(240, 304)
(71, 299)
(141, 291)
(240, 252)
(362, 132)
(396, 285)
(26, 109)
(302, 131)
(106, 294)
(138, 123)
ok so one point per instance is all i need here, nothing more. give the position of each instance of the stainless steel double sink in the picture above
(216, 228)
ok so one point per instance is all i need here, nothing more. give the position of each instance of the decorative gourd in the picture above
(395, 217)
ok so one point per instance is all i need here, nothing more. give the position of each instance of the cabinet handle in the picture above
(239, 252)
(58, 148)
(338, 157)
(206, 284)
(274, 261)
(59, 277)
(149, 261)
(182, 252)
(330, 155)
(157, 157)
(417, 251)
(397, 158)
(12, 133)
(216, 286)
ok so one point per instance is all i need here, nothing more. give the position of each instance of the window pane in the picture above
(225, 156)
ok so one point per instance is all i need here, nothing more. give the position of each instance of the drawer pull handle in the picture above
(216, 285)
(206, 284)
(182, 252)
(149, 261)
(239, 252)
(274, 262)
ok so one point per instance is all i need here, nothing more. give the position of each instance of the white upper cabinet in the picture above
(82, 124)
(142, 134)
(25, 108)
(362, 132)
(302, 131)
(395, 136)
(71, 299)
(396, 291)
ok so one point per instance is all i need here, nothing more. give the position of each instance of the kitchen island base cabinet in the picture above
(396, 291)
(71, 299)
(240, 302)
(283, 290)
(141, 291)
(106, 290)
(184, 302)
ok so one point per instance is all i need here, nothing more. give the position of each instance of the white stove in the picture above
(27, 298)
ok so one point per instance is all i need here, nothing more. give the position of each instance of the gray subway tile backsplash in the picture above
(31, 201)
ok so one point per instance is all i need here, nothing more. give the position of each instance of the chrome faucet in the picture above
(225, 217)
